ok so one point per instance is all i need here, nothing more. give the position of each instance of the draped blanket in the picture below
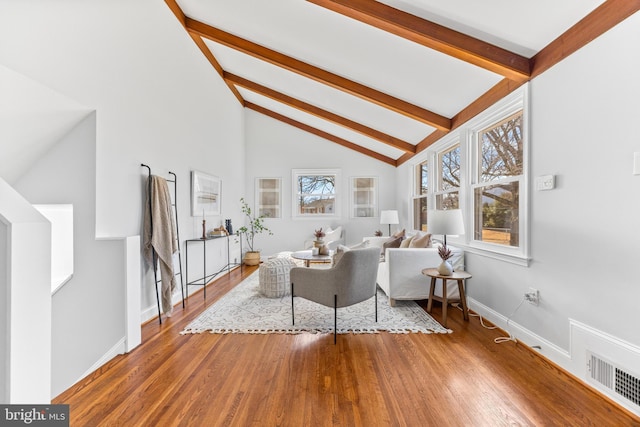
(159, 234)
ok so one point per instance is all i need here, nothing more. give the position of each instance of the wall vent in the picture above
(614, 378)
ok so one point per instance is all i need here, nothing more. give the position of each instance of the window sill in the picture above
(510, 258)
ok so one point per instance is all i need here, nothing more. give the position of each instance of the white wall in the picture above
(4, 320)
(585, 234)
(275, 148)
(157, 101)
(88, 311)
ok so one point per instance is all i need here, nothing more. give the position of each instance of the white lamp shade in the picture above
(447, 222)
(389, 217)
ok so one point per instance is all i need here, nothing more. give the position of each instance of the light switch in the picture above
(545, 182)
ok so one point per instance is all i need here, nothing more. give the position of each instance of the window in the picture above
(448, 193)
(315, 193)
(421, 186)
(268, 197)
(481, 169)
(364, 197)
(496, 193)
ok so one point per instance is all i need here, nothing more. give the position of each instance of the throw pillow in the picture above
(332, 235)
(421, 241)
(405, 243)
(393, 242)
(400, 234)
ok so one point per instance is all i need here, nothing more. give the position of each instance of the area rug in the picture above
(245, 311)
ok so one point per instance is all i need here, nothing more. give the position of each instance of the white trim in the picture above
(117, 349)
(547, 348)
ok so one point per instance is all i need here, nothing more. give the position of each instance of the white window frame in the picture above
(466, 136)
(416, 185)
(517, 101)
(296, 173)
(437, 172)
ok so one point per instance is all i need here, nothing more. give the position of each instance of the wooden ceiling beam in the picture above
(433, 36)
(333, 80)
(216, 65)
(321, 134)
(319, 112)
(600, 20)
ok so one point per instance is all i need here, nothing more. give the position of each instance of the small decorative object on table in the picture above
(228, 226)
(324, 250)
(445, 268)
(378, 233)
(319, 235)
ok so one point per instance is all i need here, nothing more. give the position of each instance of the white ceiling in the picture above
(375, 58)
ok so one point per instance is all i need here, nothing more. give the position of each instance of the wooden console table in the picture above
(206, 278)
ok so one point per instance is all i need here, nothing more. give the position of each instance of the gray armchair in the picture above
(350, 281)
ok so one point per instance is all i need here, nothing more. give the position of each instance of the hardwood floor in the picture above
(459, 379)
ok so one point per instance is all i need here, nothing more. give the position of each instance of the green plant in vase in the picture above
(253, 225)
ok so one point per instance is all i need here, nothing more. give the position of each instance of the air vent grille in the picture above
(613, 378)
(628, 386)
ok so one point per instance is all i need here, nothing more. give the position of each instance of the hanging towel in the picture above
(160, 235)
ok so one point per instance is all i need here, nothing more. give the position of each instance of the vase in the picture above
(324, 250)
(228, 226)
(445, 268)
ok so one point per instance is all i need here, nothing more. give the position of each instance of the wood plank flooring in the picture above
(458, 379)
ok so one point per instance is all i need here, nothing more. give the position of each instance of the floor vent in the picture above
(613, 378)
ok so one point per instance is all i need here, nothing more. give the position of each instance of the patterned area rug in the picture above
(245, 311)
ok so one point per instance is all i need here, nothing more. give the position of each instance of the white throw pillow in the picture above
(332, 235)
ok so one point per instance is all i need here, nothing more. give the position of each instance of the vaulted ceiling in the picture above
(387, 78)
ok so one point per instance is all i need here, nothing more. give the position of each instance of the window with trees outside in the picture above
(496, 193)
(481, 169)
(448, 168)
(315, 192)
(420, 197)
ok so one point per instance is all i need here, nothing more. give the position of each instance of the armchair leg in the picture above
(293, 318)
(376, 302)
(335, 317)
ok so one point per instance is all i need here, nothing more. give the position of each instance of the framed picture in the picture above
(206, 192)
(269, 197)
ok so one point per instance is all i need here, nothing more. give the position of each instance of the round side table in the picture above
(459, 276)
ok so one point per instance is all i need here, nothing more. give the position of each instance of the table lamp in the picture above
(389, 217)
(445, 222)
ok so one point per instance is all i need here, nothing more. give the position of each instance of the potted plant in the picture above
(445, 268)
(254, 225)
(319, 236)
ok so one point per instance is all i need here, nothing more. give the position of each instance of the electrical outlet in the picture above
(533, 296)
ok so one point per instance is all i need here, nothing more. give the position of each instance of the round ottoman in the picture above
(274, 277)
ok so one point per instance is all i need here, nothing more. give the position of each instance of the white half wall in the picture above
(26, 344)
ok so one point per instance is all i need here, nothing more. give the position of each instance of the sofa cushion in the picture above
(405, 243)
(400, 234)
(421, 241)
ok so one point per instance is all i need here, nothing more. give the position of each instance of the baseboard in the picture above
(551, 351)
(583, 338)
(152, 311)
(117, 349)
